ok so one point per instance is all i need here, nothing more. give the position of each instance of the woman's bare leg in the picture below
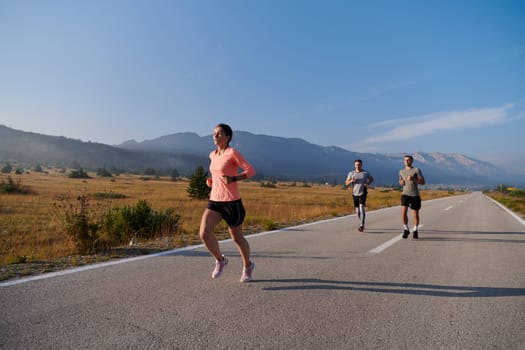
(209, 220)
(242, 244)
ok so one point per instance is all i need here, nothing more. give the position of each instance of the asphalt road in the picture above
(317, 286)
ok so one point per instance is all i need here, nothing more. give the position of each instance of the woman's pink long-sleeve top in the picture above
(227, 163)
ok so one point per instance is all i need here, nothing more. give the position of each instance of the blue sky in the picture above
(370, 76)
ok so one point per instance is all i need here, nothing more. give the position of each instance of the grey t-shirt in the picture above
(410, 188)
(359, 183)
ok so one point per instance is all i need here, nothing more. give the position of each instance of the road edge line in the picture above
(513, 214)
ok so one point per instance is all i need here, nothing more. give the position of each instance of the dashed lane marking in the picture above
(387, 244)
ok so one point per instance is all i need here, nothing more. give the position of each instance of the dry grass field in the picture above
(32, 228)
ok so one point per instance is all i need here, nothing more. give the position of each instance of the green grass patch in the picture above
(108, 195)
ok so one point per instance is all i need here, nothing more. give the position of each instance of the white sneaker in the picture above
(219, 267)
(247, 273)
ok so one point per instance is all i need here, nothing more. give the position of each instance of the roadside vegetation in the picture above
(511, 197)
(53, 217)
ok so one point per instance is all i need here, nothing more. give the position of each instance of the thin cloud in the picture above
(410, 128)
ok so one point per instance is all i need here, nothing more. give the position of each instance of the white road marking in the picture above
(385, 245)
(95, 266)
(448, 208)
(148, 256)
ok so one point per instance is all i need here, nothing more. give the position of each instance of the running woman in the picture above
(225, 201)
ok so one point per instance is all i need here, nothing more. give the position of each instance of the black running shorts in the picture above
(414, 202)
(359, 200)
(232, 212)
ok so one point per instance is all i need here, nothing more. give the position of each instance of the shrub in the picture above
(164, 222)
(115, 226)
(80, 226)
(121, 224)
(12, 187)
(79, 174)
(108, 195)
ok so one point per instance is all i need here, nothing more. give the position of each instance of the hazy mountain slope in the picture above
(273, 157)
(31, 148)
(292, 158)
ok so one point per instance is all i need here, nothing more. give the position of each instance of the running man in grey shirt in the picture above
(360, 180)
(409, 178)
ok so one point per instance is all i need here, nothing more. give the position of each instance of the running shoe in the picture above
(414, 235)
(361, 228)
(219, 267)
(247, 273)
(406, 233)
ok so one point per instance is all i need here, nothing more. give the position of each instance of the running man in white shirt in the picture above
(360, 179)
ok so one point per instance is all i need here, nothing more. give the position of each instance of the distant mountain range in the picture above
(29, 149)
(273, 158)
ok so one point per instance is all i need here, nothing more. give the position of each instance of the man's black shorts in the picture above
(414, 202)
(232, 212)
(359, 200)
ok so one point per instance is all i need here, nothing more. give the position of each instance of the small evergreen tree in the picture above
(197, 188)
